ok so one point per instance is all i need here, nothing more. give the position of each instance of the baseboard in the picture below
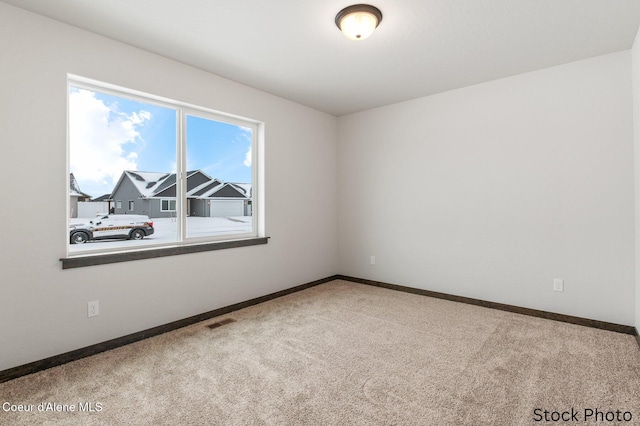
(77, 354)
(626, 329)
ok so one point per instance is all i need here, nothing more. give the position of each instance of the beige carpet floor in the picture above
(347, 354)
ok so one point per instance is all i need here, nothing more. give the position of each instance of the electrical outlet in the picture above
(373, 260)
(558, 284)
(93, 308)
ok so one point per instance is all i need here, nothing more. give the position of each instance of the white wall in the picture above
(636, 142)
(489, 191)
(43, 309)
(494, 190)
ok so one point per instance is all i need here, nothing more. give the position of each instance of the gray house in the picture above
(154, 194)
(75, 195)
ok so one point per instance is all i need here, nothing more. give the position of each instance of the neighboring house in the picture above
(75, 195)
(154, 194)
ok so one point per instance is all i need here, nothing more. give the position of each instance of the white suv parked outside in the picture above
(130, 226)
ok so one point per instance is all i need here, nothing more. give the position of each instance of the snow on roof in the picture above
(147, 182)
(150, 184)
(218, 190)
(246, 187)
(74, 188)
(204, 188)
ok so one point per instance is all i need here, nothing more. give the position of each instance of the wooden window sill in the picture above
(103, 259)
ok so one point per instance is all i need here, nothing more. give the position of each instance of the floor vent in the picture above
(221, 323)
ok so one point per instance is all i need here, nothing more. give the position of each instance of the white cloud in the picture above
(98, 133)
(245, 135)
(247, 157)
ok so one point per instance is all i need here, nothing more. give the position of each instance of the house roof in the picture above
(105, 197)
(148, 183)
(246, 188)
(74, 188)
(225, 190)
(205, 188)
(199, 185)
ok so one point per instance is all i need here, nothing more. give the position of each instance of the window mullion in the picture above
(181, 176)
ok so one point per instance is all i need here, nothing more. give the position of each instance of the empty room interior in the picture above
(436, 224)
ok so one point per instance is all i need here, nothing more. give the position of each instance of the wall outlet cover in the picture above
(93, 309)
(558, 284)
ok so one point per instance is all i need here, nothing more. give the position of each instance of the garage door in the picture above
(222, 208)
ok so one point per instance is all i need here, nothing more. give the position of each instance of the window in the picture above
(168, 205)
(191, 171)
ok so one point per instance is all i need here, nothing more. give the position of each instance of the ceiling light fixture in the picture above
(357, 22)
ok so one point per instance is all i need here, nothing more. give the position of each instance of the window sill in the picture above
(103, 259)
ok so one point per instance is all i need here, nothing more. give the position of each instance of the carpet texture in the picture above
(347, 354)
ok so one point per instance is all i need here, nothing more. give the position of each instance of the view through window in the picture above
(146, 172)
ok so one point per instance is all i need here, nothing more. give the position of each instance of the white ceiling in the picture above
(292, 48)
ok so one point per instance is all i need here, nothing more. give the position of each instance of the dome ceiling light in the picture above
(357, 22)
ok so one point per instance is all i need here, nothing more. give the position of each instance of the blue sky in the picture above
(109, 134)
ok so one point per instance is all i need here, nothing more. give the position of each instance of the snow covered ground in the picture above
(166, 230)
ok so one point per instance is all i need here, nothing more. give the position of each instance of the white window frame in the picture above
(169, 201)
(131, 205)
(184, 109)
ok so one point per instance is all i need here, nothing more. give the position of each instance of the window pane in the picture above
(219, 178)
(168, 205)
(149, 171)
(120, 149)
